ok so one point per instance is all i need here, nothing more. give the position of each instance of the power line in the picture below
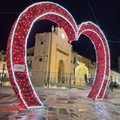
(87, 49)
(114, 41)
(99, 25)
(92, 11)
(9, 12)
(32, 1)
(114, 37)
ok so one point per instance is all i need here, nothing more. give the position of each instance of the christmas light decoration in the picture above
(102, 55)
(17, 50)
(80, 71)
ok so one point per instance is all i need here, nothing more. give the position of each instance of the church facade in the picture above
(54, 60)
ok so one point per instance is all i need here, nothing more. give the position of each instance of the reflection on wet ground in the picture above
(60, 105)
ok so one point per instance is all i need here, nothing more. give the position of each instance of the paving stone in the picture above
(52, 117)
(62, 100)
(67, 106)
(36, 118)
(71, 102)
(116, 113)
(51, 99)
(84, 115)
(42, 98)
(70, 106)
(24, 117)
(64, 117)
(62, 111)
(74, 115)
(82, 110)
(62, 93)
(6, 115)
(52, 109)
(71, 110)
(73, 98)
(52, 113)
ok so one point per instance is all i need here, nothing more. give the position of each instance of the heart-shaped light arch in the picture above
(17, 49)
(102, 55)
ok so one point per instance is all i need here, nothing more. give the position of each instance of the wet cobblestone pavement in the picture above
(61, 105)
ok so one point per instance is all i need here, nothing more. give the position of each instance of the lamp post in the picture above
(74, 72)
(50, 47)
(75, 64)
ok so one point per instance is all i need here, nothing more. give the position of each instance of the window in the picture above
(74, 60)
(28, 54)
(3, 66)
(40, 59)
(29, 63)
(4, 59)
(32, 54)
(41, 42)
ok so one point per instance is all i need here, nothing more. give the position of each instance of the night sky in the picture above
(105, 13)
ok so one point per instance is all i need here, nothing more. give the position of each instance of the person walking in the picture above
(111, 86)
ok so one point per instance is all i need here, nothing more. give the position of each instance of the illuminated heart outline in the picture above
(17, 48)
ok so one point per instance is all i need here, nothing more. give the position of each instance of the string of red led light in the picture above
(16, 49)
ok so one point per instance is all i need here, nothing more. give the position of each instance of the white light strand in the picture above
(14, 78)
(96, 55)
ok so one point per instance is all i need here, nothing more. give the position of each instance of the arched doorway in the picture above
(61, 67)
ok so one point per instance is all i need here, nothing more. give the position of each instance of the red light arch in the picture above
(16, 49)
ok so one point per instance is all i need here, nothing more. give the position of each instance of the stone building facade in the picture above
(52, 59)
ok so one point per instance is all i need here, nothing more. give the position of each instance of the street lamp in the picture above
(50, 47)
